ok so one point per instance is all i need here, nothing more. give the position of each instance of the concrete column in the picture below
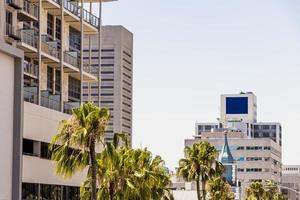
(40, 52)
(100, 53)
(62, 40)
(81, 53)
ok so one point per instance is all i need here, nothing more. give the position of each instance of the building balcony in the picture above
(14, 4)
(69, 106)
(90, 73)
(50, 51)
(11, 32)
(31, 69)
(71, 58)
(90, 18)
(50, 101)
(29, 12)
(29, 41)
(31, 94)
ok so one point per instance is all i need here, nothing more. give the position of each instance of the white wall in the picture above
(6, 125)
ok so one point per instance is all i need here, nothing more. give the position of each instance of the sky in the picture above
(189, 52)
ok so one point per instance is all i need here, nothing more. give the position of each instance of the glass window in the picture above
(74, 39)
(74, 88)
(50, 24)
(50, 79)
(28, 146)
(30, 191)
(45, 152)
(57, 81)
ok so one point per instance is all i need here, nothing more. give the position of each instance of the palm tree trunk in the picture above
(111, 191)
(198, 188)
(93, 169)
(203, 183)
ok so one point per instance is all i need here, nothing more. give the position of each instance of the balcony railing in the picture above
(50, 47)
(69, 106)
(50, 101)
(10, 31)
(72, 7)
(31, 68)
(87, 16)
(30, 8)
(31, 94)
(89, 69)
(90, 18)
(14, 3)
(71, 59)
(28, 37)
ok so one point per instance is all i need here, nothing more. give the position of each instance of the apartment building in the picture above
(290, 187)
(41, 45)
(115, 88)
(255, 159)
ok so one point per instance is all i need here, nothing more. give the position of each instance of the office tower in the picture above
(254, 159)
(41, 61)
(239, 112)
(116, 77)
(250, 150)
(290, 187)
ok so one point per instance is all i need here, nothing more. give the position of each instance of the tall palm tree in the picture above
(219, 189)
(255, 191)
(129, 174)
(200, 164)
(74, 147)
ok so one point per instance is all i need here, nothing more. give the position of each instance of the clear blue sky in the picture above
(188, 52)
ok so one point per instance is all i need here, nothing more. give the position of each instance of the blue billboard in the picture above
(236, 105)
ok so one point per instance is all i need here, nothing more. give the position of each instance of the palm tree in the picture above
(200, 164)
(128, 174)
(255, 191)
(219, 189)
(74, 147)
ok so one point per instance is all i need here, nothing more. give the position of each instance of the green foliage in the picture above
(218, 189)
(200, 164)
(266, 191)
(125, 173)
(73, 148)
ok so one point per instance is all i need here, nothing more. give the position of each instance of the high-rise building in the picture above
(291, 182)
(116, 76)
(250, 150)
(42, 73)
(239, 112)
(254, 159)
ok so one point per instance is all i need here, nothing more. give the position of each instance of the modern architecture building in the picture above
(254, 159)
(115, 89)
(290, 186)
(250, 150)
(239, 112)
(42, 74)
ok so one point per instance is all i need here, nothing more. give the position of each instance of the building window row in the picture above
(49, 192)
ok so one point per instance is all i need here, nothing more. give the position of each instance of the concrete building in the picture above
(239, 112)
(291, 182)
(42, 74)
(256, 159)
(116, 76)
(252, 150)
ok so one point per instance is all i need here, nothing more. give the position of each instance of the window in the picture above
(71, 193)
(50, 25)
(50, 192)
(57, 81)
(8, 20)
(240, 170)
(45, 152)
(74, 39)
(57, 29)
(28, 147)
(30, 191)
(50, 79)
(74, 88)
